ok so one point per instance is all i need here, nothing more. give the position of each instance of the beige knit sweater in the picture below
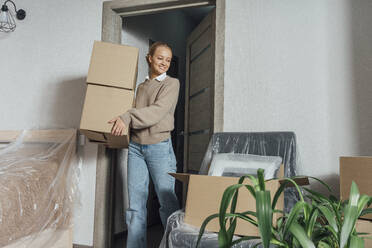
(152, 118)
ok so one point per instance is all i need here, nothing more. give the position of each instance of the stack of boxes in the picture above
(359, 170)
(111, 83)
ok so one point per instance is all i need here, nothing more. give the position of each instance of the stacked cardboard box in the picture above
(359, 170)
(111, 82)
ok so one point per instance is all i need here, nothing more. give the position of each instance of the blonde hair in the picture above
(153, 48)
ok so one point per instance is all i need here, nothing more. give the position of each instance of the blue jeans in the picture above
(155, 160)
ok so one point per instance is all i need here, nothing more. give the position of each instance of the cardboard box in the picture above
(359, 170)
(101, 105)
(365, 226)
(204, 195)
(113, 65)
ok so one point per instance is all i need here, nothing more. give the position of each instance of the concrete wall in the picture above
(43, 67)
(302, 66)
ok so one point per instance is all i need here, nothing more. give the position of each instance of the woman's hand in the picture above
(119, 126)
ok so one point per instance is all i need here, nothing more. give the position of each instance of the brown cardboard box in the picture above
(204, 195)
(365, 226)
(113, 65)
(101, 105)
(359, 170)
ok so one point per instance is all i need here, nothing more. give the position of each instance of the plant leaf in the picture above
(202, 228)
(313, 218)
(350, 215)
(356, 242)
(264, 216)
(322, 244)
(261, 179)
(300, 234)
(362, 203)
(223, 236)
(278, 193)
(330, 216)
(366, 211)
(251, 189)
(298, 207)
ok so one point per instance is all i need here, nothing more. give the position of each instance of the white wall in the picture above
(302, 66)
(43, 66)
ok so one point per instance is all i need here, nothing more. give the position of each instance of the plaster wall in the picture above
(302, 66)
(43, 67)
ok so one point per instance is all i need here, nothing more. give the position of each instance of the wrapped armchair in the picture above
(179, 234)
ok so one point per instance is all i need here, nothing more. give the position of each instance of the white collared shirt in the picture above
(159, 78)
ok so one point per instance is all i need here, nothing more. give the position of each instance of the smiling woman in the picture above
(159, 58)
(150, 149)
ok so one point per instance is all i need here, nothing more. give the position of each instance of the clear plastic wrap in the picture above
(178, 234)
(283, 144)
(38, 188)
(237, 165)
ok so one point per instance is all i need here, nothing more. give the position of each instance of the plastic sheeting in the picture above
(38, 186)
(283, 144)
(237, 165)
(178, 234)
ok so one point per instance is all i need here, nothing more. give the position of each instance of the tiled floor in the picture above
(154, 236)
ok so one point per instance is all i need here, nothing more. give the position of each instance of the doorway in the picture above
(172, 27)
(114, 14)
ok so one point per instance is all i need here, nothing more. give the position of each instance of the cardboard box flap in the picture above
(302, 181)
(96, 136)
(183, 177)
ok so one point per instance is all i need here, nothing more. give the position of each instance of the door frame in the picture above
(112, 14)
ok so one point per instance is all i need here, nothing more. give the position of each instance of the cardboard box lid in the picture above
(103, 103)
(94, 136)
(106, 139)
(113, 65)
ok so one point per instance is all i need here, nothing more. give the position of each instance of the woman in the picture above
(150, 148)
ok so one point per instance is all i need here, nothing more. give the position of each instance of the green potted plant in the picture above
(320, 221)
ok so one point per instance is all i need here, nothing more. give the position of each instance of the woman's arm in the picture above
(149, 116)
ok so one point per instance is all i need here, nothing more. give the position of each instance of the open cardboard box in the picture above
(204, 196)
(359, 170)
(101, 104)
(113, 65)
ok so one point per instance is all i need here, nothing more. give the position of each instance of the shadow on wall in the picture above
(361, 39)
(67, 103)
(332, 180)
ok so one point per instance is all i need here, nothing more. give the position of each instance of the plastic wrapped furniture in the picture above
(178, 234)
(38, 182)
